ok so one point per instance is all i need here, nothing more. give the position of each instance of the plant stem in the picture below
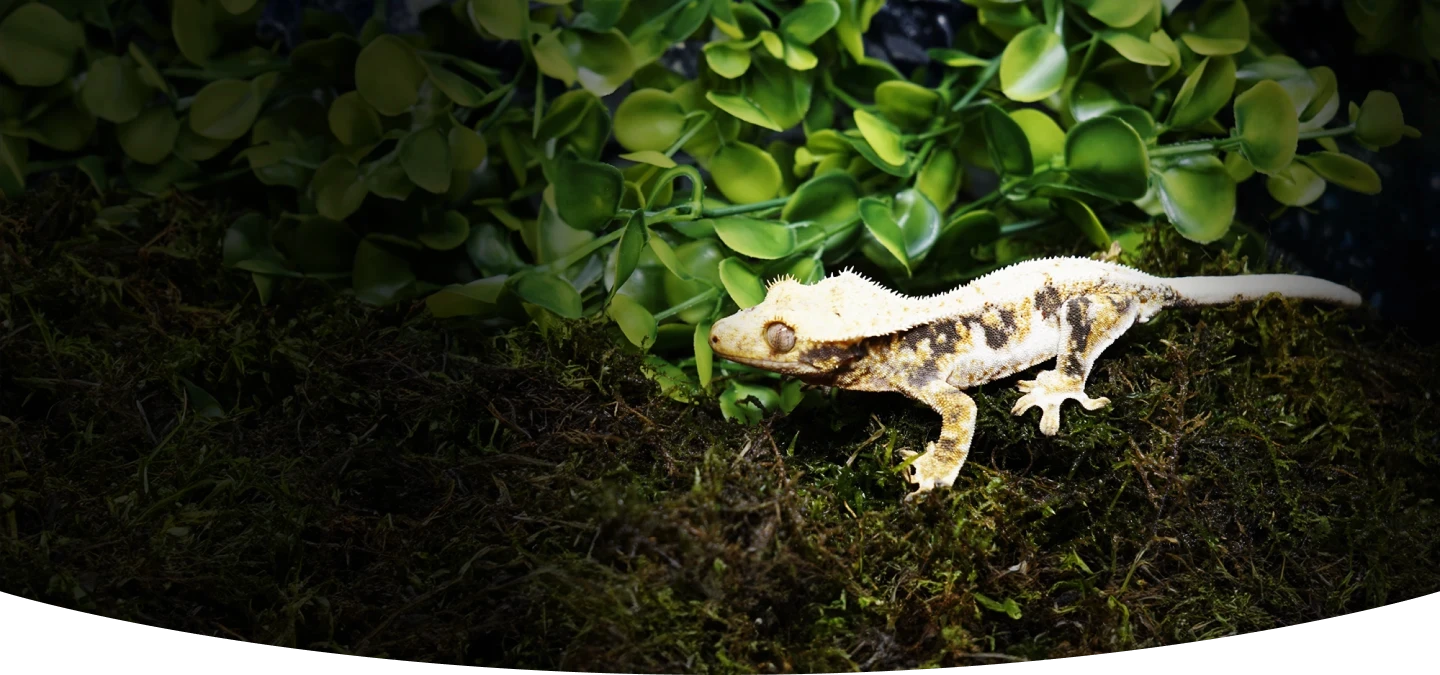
(693, 301)
(1327, 133)
(844, 97)
(1211, 145)
(974, 90)
(1089, 54)
(1194, 147)
(936, 133)
(704, 118)
(977, 204)
(743, 208)
(580, 253)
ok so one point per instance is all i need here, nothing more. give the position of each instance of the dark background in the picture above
(1383, 245)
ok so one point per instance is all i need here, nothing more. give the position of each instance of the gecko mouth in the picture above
(767, 364)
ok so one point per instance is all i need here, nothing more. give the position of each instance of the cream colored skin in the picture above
(848, 332)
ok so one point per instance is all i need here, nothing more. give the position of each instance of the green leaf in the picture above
(237, 7)
(743, 285)
(1345, 171)
(196, 148)
(1381, 123)
(907, 230)
(747, 403)
(353, 121)
(381, 277)
(1134, 49)
(636, 322)
(455, 87)
(729, 59)
(1008, 608)
(694, 268)
(425, 155)
(1033, 65)
(629, 250)
(113, 90)
(743, 108)
(883, 137)
(1118, 13)
(763, 239)
(1045, 137)
(553, 55)
(1083, 217)
(14, 153)
(388, 74)
(337, 188)
(1006, 141)
(1296, 185)
(248, 238)
(806, 23)
(549, 291)
(225, 109)
(599, 15)
(566, 114)
(940, 178)
(650, 158)
(1222, 27)
(963, 235)
(587, 194)
(1106, 156)
(1324, 103)
(956, 58)
(908, 105)
(447, 231)
(1199, 197)
(504, 19)
(92, 166)
(201, 401)
(745, 174)
(150, 137)
(830, 200)
(37, 45)
(1204, 93)
(477, 297)
(649, 119)
(193, 24)
(704, 355)
(1089, 98)
(146, 70)
(1138, 118)
(603, 61)
(782, 93)
(1267, 125)
(1278, 67)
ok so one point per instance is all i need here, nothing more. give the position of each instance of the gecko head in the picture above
(805, 330)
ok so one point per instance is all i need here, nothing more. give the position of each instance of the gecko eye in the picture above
(780, 336)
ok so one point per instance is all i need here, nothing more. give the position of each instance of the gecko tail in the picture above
(1241, 288)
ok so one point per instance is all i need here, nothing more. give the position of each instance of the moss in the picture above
(383, 483)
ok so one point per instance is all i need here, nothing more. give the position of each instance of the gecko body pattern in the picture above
(849, 332)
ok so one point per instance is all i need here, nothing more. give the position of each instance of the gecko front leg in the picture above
(942, 459)
(1088, 324)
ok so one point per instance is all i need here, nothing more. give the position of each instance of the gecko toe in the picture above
(1093, 403)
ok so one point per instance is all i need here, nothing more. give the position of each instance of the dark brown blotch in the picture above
(1077, 317)
(1047, 300)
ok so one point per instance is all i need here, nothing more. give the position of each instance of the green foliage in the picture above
(476, 165)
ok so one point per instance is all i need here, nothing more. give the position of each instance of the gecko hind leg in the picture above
(939, 465)
(1088, 324)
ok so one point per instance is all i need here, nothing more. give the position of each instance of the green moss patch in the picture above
(321, 474)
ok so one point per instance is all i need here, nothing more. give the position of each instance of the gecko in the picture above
(849, 332)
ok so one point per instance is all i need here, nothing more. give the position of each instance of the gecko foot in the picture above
(1047, 391)
(928, 471)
